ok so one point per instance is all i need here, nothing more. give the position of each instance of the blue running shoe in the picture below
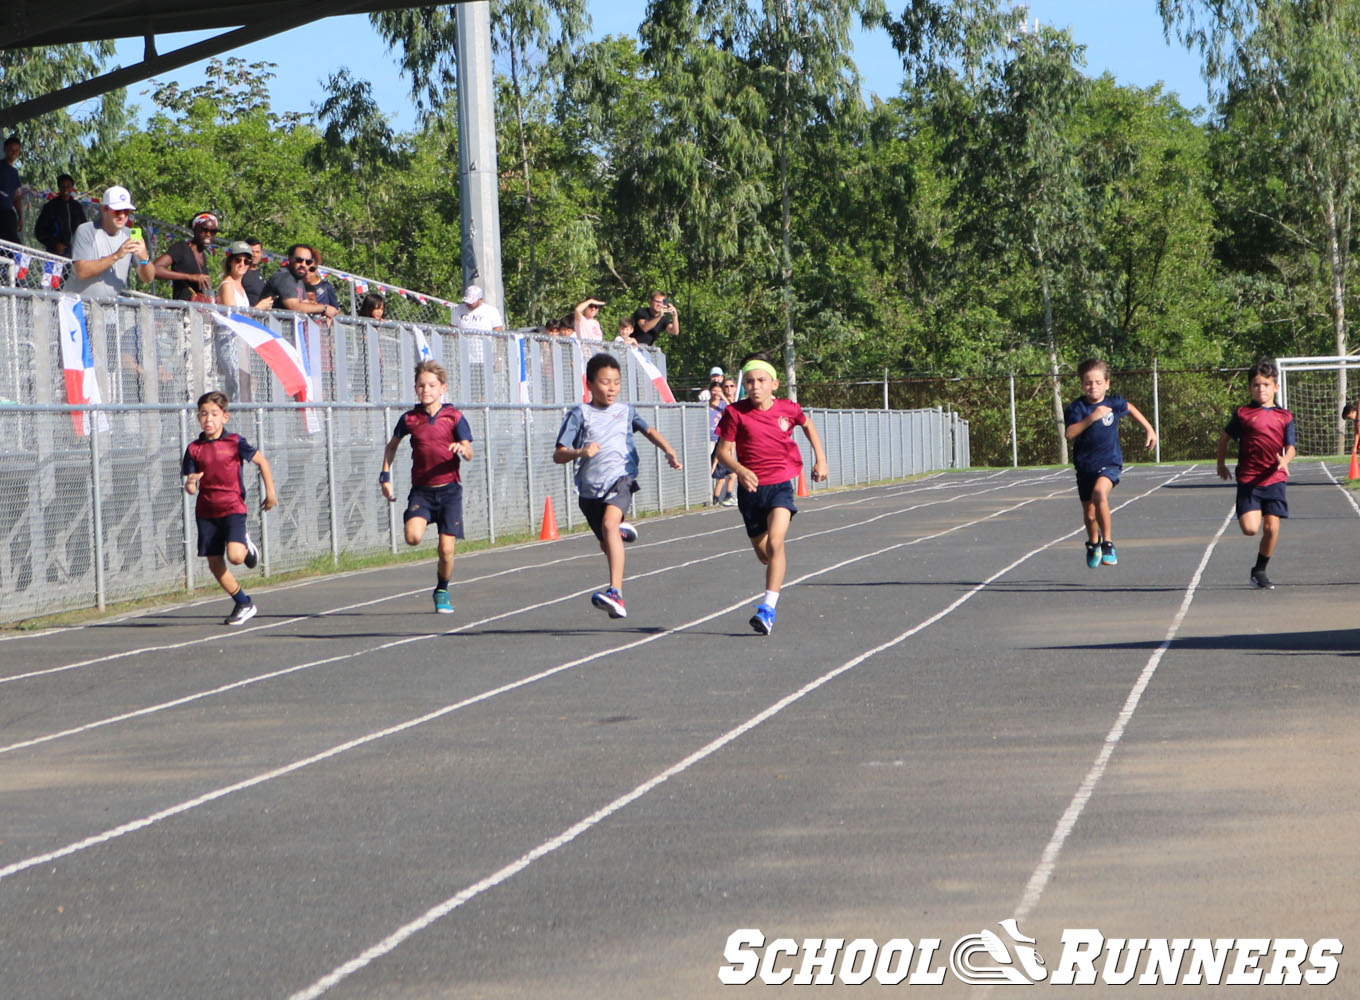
(442, 604)
(763, 620)
(1107, 554)
(1093, 554)
(610, 600)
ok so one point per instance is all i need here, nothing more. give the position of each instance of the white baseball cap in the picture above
(473, 293)
(714, 371)
(118, 198)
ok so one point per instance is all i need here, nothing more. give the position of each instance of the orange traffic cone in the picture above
(549, 530)
(802, 490)
(1354, 472)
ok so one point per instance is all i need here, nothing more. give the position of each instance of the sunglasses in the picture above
(303, 260)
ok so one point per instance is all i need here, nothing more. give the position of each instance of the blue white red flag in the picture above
(51, 274)
(77, 358)
(423, 352)
(654, 373)
(281, 357)
(523, 345)
(21, 262)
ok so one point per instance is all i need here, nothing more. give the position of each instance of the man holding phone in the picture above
(103, 253)
(658, 317)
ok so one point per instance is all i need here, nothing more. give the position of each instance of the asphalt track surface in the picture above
(954, 722)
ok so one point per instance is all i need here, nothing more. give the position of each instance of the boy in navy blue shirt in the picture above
(1093, 428)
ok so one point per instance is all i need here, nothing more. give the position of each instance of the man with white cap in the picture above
(103, 252)
(476, 315)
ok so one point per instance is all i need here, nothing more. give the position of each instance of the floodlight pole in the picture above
(477, 174)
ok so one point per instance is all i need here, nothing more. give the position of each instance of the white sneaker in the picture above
(627, 532)
(252, 553)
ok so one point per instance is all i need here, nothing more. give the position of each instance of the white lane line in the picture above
(440, 910)
(468, 626)
(187, 805)
(1349, 494)
(1048, 860)
(465, 582)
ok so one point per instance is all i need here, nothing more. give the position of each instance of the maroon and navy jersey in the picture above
(764, 438)
(432, 464)
(222, 490)
(1261, 433)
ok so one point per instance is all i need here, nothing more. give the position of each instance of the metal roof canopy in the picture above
(29, 23)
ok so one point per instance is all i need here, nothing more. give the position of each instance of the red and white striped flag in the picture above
(654, 373)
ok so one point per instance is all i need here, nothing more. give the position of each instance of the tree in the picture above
(1292, 66)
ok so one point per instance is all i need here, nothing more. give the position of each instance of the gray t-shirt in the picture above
(91, 242)
(612, 427)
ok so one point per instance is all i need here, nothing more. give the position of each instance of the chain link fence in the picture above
(88, 520)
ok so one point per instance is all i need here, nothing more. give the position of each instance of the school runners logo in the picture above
(1012, 958)
(1002, 968)
(785, 425)
(1108, 418)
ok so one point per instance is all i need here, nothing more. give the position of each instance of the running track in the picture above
(954, 722)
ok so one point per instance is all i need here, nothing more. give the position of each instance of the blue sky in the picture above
(1122, 36)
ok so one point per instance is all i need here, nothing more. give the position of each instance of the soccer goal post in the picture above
(1314, 391)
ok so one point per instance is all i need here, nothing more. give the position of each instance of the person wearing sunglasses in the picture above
(102, 253)
(318, 288)
(232, 292)
(288, 285)
(185, 264)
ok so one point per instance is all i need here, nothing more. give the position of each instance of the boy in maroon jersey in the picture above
(440, 441)
(755, 440)
(1265, 436)
(214, 468)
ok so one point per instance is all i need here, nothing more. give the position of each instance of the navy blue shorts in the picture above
(215, 532)
(1086, 480)
(619, 495)
(440, 505)
(1267, 499)
(755, 507)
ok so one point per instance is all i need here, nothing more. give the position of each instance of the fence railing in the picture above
(87, 520)
(150, 350)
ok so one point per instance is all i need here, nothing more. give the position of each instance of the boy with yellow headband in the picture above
(755, 440)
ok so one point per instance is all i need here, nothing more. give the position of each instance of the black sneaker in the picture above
(252, 553)
(241, 614)
(1259, 580)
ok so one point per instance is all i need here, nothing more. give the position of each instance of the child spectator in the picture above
(440, 441)
(755, 440)
(724, 479)
(625, 334)
(1093, 428)
(213, 468)
(373, 306)
(1264, 434)
(598, 436)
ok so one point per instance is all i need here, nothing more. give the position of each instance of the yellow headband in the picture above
(762, 366)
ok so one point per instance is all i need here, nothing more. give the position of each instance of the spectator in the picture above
(586, 322)
(185, 264)
(318, 288)
(252, 281)
(11, 207)
(102, 253)
(654, 319)
(724, 479)
(715, 384)
(231, 292)
(60, 218)
(625, 334)
(288, 285)
(730, 390)
(373, 306)
(476, 314)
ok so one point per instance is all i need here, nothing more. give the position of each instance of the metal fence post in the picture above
(684, 449)
(187, 510)
(526, 417)
(97, 514)
(490, 482)
(1015, 444)
(1156, 410)
(264, 523)
(656, 422)
(330, 485)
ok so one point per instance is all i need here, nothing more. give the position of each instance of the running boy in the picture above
(755, 440)
(1265, 446)
(598, 436)
(440, 441)
(213, 468)
(1093, 428)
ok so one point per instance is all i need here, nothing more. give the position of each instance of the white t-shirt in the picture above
(91, 242)
(588, 328)
(483, 319)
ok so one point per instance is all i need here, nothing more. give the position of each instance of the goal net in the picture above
(1313, 390)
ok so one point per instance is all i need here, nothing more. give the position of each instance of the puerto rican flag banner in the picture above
(654, 373)
(423, 352)
(77, 358)
(51, 274)
(361, 288)
(21, 262)
(281, 357)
